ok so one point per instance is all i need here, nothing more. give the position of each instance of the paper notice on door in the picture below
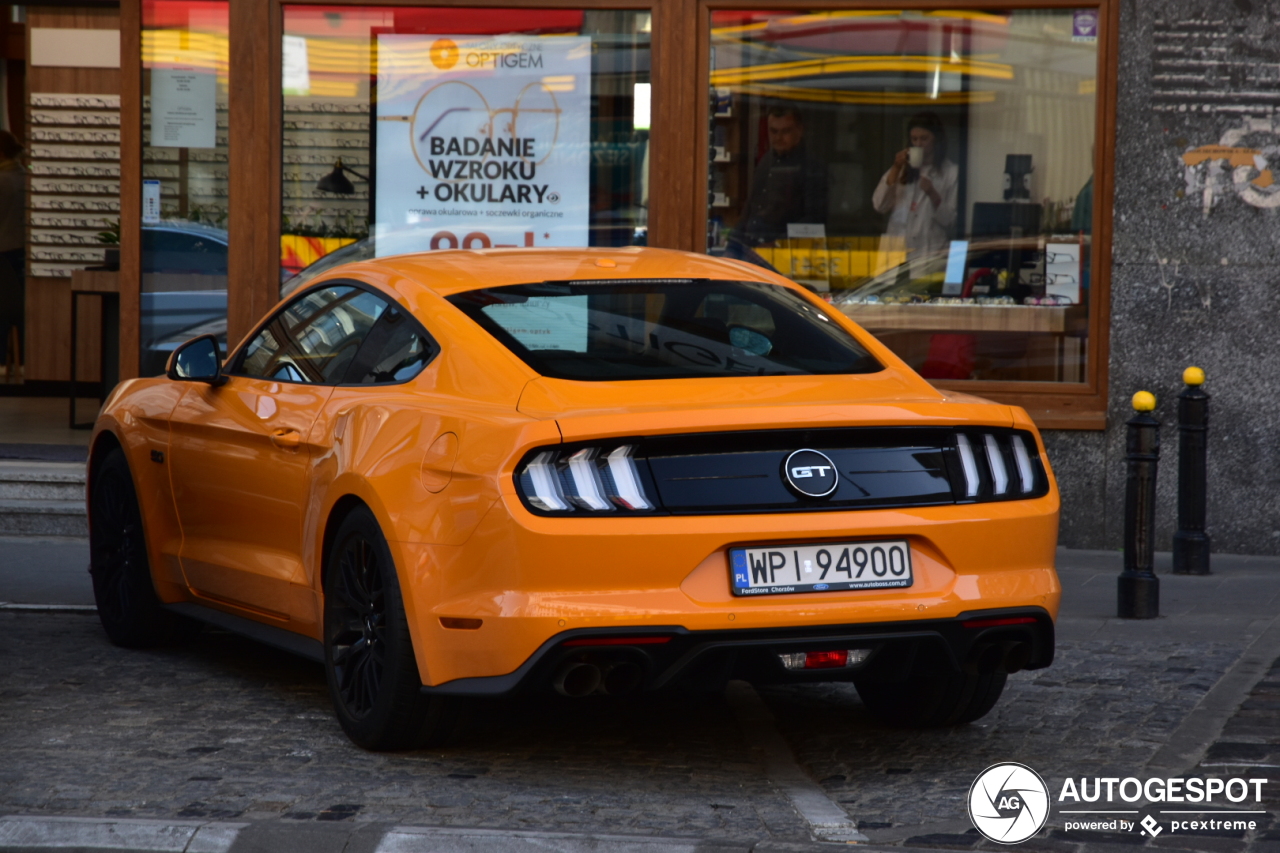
(184, 106)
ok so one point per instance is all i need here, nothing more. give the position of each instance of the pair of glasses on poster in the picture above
(453, 98)
(1059, 257)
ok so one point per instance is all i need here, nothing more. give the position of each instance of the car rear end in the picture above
(806, 520)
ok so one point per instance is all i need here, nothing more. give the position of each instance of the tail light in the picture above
(998, 466)
(591, 479)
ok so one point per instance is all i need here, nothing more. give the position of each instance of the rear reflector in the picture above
(996, 623)
(837, 659)
(618, 641)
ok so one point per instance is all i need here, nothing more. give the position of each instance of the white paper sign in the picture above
(484, 141)
(544, 323)
(1062, 270)
(806, 230)
(150, 202)
(184, 108)
(296, 67)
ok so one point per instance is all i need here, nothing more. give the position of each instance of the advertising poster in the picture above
(483, 141)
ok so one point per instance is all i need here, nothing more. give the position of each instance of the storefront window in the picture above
(184, 189)
(409, 129)
(929, 172)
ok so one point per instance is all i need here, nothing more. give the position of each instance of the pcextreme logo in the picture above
(1009, 803)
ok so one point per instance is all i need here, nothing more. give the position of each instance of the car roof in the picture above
(455, 271)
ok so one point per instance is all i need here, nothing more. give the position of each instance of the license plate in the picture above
(829, 567)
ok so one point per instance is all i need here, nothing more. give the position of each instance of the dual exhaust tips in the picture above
(1009, 656)
(576, 679)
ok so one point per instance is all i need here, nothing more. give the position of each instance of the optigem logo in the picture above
(444, 54)
(1008, 803)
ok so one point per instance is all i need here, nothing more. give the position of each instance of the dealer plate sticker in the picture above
(829, 567)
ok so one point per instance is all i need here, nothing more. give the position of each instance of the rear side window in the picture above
(664, 329)
(315, 338)
(397, 349)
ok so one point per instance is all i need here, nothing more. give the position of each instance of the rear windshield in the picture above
(664, 329)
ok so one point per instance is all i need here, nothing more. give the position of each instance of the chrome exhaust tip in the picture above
(1016, 657)
(576, 679)
(621, 678)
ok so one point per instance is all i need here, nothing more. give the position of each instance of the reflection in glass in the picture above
(472, 151)
(930, 171)
(184, 163)
(315, 338)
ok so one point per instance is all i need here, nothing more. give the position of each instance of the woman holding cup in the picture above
(919, 190)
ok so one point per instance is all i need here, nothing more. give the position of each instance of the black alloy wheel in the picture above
(128, 607)
(370, 665)
(360, 626)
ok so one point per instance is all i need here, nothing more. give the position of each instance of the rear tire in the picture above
(932, 694)
(368, 654)
(128, 607)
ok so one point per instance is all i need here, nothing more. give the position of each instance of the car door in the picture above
(240, 456)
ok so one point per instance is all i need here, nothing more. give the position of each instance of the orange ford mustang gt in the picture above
(463, 474)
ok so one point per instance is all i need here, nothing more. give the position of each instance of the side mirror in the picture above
(197, 360)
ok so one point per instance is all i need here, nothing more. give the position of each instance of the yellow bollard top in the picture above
(1193, 376)
(1144, 401)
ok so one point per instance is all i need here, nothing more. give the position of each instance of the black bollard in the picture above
(1139, 588)
(1191, 543)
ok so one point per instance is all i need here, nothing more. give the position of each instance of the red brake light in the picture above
(996, 623)
(618, 641)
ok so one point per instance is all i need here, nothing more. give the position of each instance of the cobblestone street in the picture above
(227, 730)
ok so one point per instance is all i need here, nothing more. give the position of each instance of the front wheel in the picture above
(128, 607)
(369, 662)
(931, 693)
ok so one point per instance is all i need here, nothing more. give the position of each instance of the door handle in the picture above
(289, 439)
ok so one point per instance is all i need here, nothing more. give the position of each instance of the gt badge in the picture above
(810, 474)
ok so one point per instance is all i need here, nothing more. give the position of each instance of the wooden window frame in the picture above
(1052, 405)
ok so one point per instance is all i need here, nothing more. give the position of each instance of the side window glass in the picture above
(398, 349)
(315, 338)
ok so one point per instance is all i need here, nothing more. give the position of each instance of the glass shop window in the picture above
(411, 129)
(184, 169)
(930, 172)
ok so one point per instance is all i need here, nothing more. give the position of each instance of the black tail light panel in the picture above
(742, 472)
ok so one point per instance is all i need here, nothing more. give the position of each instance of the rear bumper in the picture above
(1006, 639)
